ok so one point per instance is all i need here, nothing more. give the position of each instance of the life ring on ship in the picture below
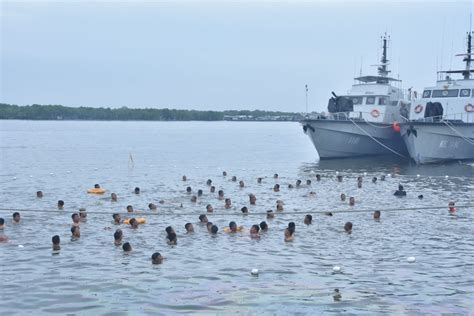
(469, 108)
(375, 113)
(418, 108)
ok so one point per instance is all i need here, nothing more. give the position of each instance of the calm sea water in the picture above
(211, 274)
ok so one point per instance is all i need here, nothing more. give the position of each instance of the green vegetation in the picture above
(58, 112)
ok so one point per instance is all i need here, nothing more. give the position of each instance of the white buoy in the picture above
(51, 174)
(365, 173)
(31, 176)
(411, 259)
(95, 169)
(389, 175)
(337, 172)
(254, 272)
(14, 178)
(21, 246)
(446, 177)
(417, 175)
(336, 269)
(311, 171)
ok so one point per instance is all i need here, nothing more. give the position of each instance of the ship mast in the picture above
(468, 58)
(382, 69)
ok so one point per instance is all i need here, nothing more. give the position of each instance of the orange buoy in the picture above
(396, 126)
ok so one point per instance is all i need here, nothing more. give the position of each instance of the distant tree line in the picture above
(59, 112)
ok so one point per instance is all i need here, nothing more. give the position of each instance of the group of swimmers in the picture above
(171, 236)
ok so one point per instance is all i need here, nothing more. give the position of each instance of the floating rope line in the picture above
(158, 213)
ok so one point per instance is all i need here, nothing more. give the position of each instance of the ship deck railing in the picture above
(357, 116)
(457, 118)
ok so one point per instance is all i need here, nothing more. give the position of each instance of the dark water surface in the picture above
(211, 274)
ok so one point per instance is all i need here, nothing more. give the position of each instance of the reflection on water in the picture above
(207, 274)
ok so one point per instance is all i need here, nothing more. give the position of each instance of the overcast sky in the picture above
(217, 55)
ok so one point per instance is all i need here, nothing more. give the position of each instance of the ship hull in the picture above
(347, 139)
(438, 142)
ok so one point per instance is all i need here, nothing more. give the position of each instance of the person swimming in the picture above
(113, 197)
(56, 243)
(118, 236)
(276, 188)
(169, 230)
(189, 228)
(75, 219)
(290, 186)
(374, 179)
(377, 215)
(275, 176)
(82, 214)
(209, 182)
(270, 214)
(233, 227)
(339, 178)
(200, 192)
(60, 204)
(318, 177)
(117, 219)
(137, 190)
(279, 207)
(224, 173)
(129, 209)
(234, 178)
(188, 189)
(343, 197)
(127, 247)
(263, 226)
(214, 229)
(209, 208)
(213, 189)
(96, 186)
(259, 180)
(348, 227)
(228, 203)
(241, 184)
(400, 192)
(308, 219)
(382, 177)
(194, 199)
(298, 183)
(290, 232)
(254, 231)
(39, 194)
(452, 208)
(133, 223)
(252, 199)
(16, 218)
(152, 207)
(352, 201)
(184, 178)
(2, 223)
(172, 239)
(244, 210)
(209, 226)
(156, 258)
(220, 194)
(75, 232)
(203, 219)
